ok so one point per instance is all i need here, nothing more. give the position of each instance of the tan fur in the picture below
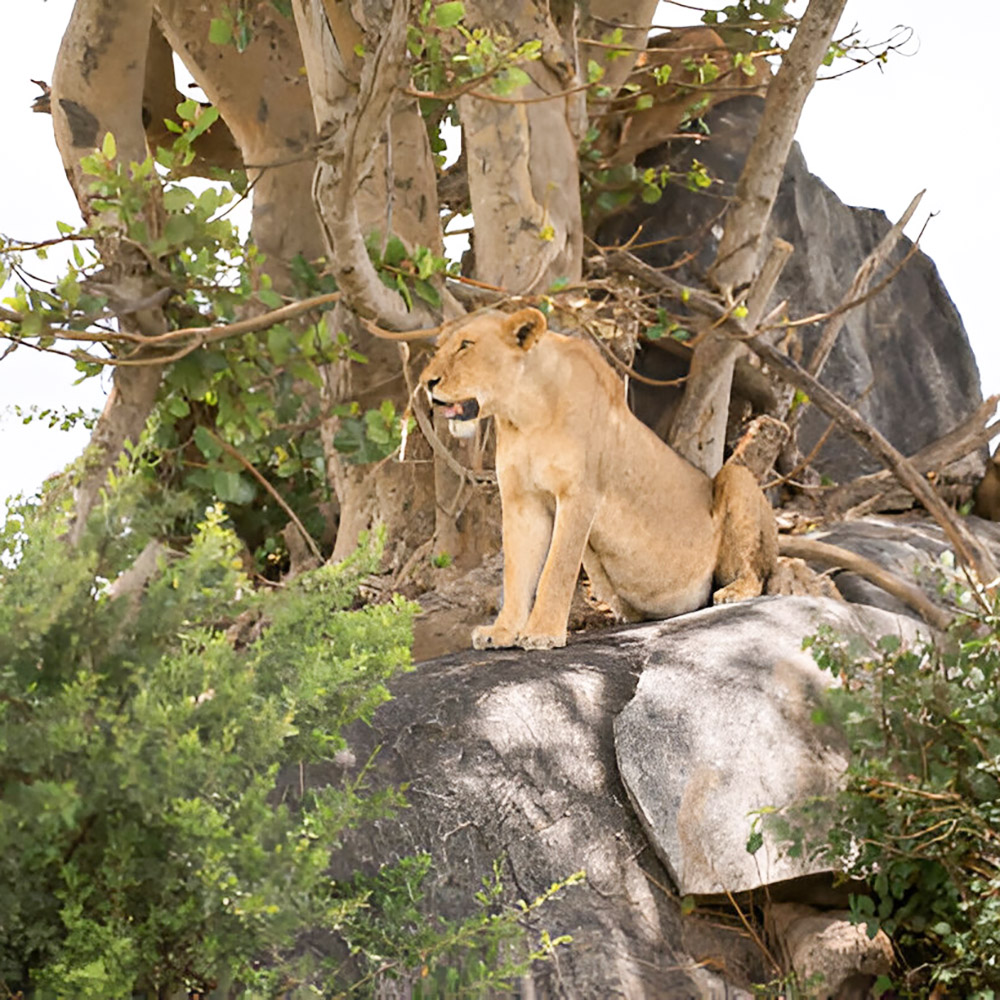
(987, 502)
(582, 480)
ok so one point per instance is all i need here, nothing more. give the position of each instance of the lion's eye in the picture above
(464, 345)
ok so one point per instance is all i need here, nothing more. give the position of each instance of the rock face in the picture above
(910, 546)
(512, 755)
(903, 359)
(720, 728)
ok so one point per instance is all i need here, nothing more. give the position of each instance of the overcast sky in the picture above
(876, 137)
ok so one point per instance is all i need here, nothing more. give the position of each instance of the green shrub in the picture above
(919, 812)
(140, 846)
(142, 849)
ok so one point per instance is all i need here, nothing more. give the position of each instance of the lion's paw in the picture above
(742, 589)
(491, 637)
(541, 640)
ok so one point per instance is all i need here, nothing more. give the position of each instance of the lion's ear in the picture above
(526, 326)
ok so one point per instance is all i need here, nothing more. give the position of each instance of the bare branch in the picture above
(834, 555)
(862, 279)
(971, 433)
(347, 149)
(968, 549)
(757, 187)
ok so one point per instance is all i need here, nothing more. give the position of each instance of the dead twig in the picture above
(799, 547)
(278, 499)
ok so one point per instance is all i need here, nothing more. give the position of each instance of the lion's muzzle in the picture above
(466, 409)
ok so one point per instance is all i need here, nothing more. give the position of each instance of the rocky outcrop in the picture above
(720, 729)
(830, 956)
(512, 755)
(903, 359)
(912, 546)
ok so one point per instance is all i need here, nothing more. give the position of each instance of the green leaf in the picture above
(220, 31)
(510, 79)
(447, 15)
(643, 101)
(188, 110)
(178, 407)
(881, 985)
(280, 343)
(233, 487)
(109, 148)
(427, 292)
(270, 298)
(207, 117)
(395, 252)
(403, 290)
(651, 194)
(206, 443)
(755, 842)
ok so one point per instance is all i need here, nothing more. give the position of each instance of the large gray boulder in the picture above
(512, 755)
(720, 728)
(903, 359)
(913, 546)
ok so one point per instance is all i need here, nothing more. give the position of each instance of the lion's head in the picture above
(478, 362)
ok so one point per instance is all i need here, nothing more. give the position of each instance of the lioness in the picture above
(583, 480)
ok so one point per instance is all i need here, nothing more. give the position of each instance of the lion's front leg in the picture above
(527, 531)
(546, 627)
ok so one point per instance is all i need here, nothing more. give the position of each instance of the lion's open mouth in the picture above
(466, 409)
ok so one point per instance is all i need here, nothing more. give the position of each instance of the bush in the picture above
(142, 729)
(919, 811)
(140, 849)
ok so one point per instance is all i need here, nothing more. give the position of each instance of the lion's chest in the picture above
(527, 464)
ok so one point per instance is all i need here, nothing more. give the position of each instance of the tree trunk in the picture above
(528, 226)
(275, 134)
(700, 422)
(375, 173)
(97, 87)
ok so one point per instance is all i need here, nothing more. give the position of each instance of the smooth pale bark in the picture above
(698, 432)
(702, 411)
(97, 87)
(598, 21)
(521, 156)
(263, 97)
(375, 173)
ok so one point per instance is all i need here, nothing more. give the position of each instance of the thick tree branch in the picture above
(698, 432)
(348, 147)
(757, 187)
(813, 550)
(97, 88)
(967, 548)
(972, 433)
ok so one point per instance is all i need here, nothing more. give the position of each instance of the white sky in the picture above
(875, 137)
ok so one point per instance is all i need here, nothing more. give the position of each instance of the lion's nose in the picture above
(431, 382)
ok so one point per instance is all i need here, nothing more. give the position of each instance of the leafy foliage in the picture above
(145, 735)
(442, 958)
(920, 807)
(233, 401)
(140, 843)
